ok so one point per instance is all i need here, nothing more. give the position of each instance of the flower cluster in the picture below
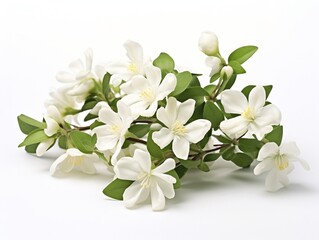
(150, 124)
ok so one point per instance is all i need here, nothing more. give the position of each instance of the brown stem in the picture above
(136, 140)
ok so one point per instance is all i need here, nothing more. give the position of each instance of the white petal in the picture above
(214, 63)
(181, 147)
(128, 168)
(44, 146)
(107, 142)
(117, 67)
(74, 152)
(166, 166)
(87, 166)
(166, 186)
(167, 86)
(163, 137)
(144, 159)
(108, 116)
(272, 182)
(164, 116)
(234, 101)
(52, 126)
(267, 151)
(124, 111)
(117, 150)
(98, 107)
(195, 131)
(153, 75)
(283, 179)
(54, 113)
(290, 149)
(234, 127)
(136, 85)
(88, 59)
(257, 98)
(100, 71)
(134, 51)
(264, 166)
(62, 163)
(157, 197)
(65, 77)
(304, 164)
(268, 115)
(150, 111)
(77, 66)
(135, 194)
(185, 111)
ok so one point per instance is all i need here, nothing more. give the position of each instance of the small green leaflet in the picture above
(139, 130)
(183, 81)
(83, 141)
(275, 135)
(165, 63)
(28, 124)
(116, 188)
(213, 114)
(246, 91)
(242, 54)
(34, 137)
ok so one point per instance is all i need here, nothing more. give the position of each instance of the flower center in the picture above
(248, 114)
(116, 129)
(178, 129)
(77, 161)
(133, 68)
(281, 161)
(145, 179)
(147, 95)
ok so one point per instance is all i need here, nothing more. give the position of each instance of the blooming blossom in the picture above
(112, 134)
(79, 79)
(73, 158)
(215, 64)
(53, 120)
(175, 116)
(135, 66)
(278, 160)
(148, 182)
(143, 93)
(255, 117)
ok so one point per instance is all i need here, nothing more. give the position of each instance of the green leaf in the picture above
(181, 170)
(213, 114)
(198, 112)
(106, 84)
(246, 91)
(211, 157)
(63, 142)
(165, 63)
(183, 80)
(190, 163)
(95, 124)
(28, 124)
(32, 148)
(223, 139)
(275, 135)
(210, 88)
(175, 175)
(238, 69)
(195, 82)
(249, 145)
(192, 92)
(242, 160)
(231, 82)
(139, 130)
(214, 77)
(242, 54)
(82, 141)
(89, 104)
(153, 148)
(35, 136)
(228, 153)
(116, 188)
(204, 167)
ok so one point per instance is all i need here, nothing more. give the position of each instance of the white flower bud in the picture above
(228, 70)
(208, 43)
(215, 64)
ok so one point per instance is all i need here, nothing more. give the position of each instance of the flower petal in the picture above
(135, 194)
(157, 197)
(44, 146)
(153, 75)
(54, 113)
(150, 111)
(268, 115)
(106, 142)
(214, 63)
(144, 159)
(108, 116)
(62, 163)
(234, 101)
(136, 85)
(134, 51)
(267, 151)
(128, 168)
(124, 112)
(65, 77)
(234, 127)
(290, 149)
(272, 181)
(164, 117)
(167, 187)
(52, 126)
(181, 147)
(76, 66)
(185, 111)
(116, 67)
(163, 137)
(88, 59)
(264, 166)
(167, 86)
(166, 166)
(87, 166)
(257, 98)
(195, 131)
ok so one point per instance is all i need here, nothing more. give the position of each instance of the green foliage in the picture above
(214, 77)
(210, 88)
(181, 171)
(28, 124)
(242, 160)
(96, 124)
(139, 130)
(231, 82)
(203, 167)
(190, 163)
(249, 145)
(236, 66)
(246, 91)
(198, 112)
(213, 114)
(32, 148)
(275, 135)
(89, 104)
(183, 81)
(175, 175)
(153, 148)
(228, 153)
(242, 54)
(83, 141)
(211, 157)
(116, 188)
(34, 137)
(165, 63)
(196, 93)
(62, 142)
(106, 84)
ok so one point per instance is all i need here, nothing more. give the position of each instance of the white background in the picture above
(38, 38)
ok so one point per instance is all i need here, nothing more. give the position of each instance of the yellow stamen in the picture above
(147, 95)
(281, 161)
(77, 161)
(178, 129)
(145, 180)
(248, 114)
(133, 68)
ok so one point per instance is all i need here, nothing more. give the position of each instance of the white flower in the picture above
(53, 120)
(79, 80)
(126, 70)
(100, 105)
(228, 71)
(73, 158)
(112, 134)
(147, 181)
(208, 43)
(215, 64)
(143, 93)
(255, 117)
(279, 162)
(174, 117)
